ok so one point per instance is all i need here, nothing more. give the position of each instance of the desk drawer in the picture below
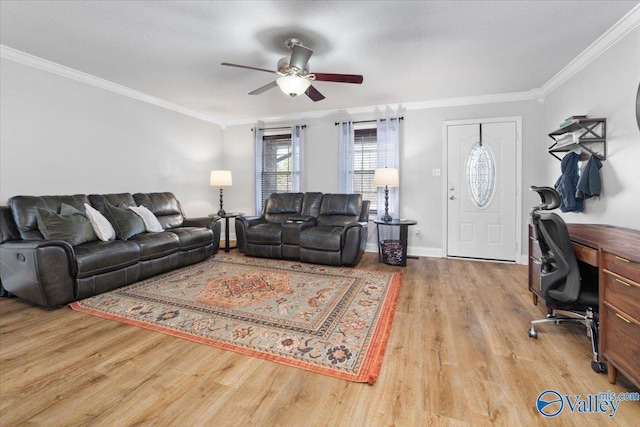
(621, 266)
(622, 293)
(534, 249)
(586, 254)
(621, 341)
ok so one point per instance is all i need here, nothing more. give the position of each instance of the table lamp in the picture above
(220, 178)
(386, 177)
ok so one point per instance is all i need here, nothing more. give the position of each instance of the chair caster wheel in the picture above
(533, 333)
(598, 367)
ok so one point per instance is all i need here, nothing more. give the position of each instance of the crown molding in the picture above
(421, 105)
(45, 65)
(620, 29)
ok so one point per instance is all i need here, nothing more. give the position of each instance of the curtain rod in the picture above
(280, 128)
(369, 121)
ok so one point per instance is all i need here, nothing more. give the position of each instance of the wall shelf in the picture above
(587, 135)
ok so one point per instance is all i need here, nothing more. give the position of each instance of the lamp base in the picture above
(386, 217)
(221, 212)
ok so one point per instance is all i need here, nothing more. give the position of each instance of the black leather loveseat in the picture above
(54, 272)
(311, 227)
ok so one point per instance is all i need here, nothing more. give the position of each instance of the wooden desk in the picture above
(615, 251)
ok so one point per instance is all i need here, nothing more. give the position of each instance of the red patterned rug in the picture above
(329, 320)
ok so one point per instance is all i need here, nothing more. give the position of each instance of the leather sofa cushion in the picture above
(98, 201)
(340, 209)
(264, 234)
(341, 204)
(279, 207)
(164, 206)
(193, 237)
(322, 238)
(311, 204)
(156, 245)
(25, 211)
(99, 257)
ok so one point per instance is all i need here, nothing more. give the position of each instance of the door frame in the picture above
(445, 177)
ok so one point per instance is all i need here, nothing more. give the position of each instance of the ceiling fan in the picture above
(295, 78)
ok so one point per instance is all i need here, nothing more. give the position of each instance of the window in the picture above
(276, 165)
(278, 162)
(365, 160)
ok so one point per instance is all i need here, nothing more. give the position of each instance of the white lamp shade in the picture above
(293, 85)
(386, 177)
(220, 178)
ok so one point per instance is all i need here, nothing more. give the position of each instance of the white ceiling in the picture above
(408, 51)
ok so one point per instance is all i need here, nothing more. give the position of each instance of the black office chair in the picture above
(561, 284)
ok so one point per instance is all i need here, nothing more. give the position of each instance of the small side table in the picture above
(226, 217)
(404, 233)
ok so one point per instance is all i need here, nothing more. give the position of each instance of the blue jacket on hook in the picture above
(567, 184)
(589, 184)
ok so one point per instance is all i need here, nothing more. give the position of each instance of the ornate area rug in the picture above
(329, 320)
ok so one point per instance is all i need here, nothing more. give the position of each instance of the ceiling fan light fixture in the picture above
(293, 85)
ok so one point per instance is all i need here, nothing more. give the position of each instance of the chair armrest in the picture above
(41, 271)
(206, 222)
(242, 224)
(250, 221)
(352, 225)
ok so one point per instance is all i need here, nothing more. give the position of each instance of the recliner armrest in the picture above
(41, 271)
(250, 221)
(206, 222)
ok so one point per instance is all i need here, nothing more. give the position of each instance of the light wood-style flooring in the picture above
(458, 355)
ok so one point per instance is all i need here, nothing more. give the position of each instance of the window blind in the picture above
(365, 158)
(276, 165)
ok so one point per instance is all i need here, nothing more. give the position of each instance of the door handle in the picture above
(451, 197)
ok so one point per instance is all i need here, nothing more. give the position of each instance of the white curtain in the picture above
(345, 160)
(389, 157)
(297, 147)
(258, 133)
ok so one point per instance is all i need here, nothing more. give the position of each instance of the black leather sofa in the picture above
(311, 227)
(53, 272)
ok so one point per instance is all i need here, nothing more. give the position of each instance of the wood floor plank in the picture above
(458, 355)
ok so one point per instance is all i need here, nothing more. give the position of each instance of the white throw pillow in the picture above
(101, 226)
(151, 223)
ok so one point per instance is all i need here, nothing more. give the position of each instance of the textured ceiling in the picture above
(408, 51)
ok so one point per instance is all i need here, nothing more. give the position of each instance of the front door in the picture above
(481, 190)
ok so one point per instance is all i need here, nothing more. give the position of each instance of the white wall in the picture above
(607, 87)
(60, 136)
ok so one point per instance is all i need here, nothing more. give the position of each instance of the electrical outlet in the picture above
(435, 172)
(417, 231)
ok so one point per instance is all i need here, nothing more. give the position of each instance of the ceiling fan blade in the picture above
(300, 56)
(338, 78)
(313, 93)
(248, 67)
(264, 88)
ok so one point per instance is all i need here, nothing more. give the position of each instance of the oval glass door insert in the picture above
(481, 174)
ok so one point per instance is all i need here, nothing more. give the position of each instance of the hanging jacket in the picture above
(567, 184)
(589, 184)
